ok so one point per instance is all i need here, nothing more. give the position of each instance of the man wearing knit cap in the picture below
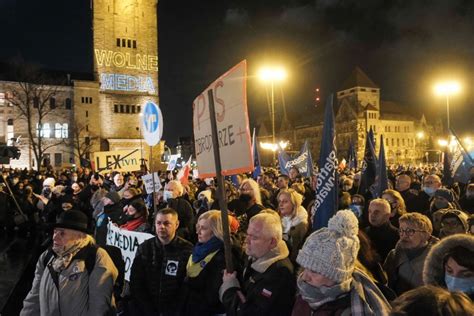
(330, 284)
(268, 283)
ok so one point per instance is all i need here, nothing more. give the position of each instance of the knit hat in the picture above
(113, 196)
(460, 215)
(445, 193)
(49, 182)
(332, 251)
(72, 219)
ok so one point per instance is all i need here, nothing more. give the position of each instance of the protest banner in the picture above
(303, 162)
(128, 242)
(230, 96)
(148, 182)
(172, 162)
(119, 160)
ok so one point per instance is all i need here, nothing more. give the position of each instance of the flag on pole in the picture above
(460, 162)
(381, 183)
(448, 178)
(183, 174)
(256, 157)
(326, 202)
(352, 156)
(303, 162)
(369, 167)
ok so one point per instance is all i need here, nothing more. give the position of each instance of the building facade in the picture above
(102, 114)
(359, 108)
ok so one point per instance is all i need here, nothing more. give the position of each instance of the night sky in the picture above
(403, 46)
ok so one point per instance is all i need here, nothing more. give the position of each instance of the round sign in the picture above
(152, 123)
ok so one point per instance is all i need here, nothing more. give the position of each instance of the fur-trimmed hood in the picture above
(433, 270)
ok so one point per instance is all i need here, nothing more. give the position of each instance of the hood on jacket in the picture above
(433, 269)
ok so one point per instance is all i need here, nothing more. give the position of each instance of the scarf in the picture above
(133, 224)
(317, 297)
(201, 250)
(300, 216)
(64, 258)
(278, 253)
(194, 268)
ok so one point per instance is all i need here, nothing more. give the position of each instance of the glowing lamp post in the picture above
(447, 89)
(272, 75)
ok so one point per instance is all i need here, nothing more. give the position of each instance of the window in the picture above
(374, 90)
(134, 44)
(87, 140)
(43, 131)
(393, 142)
(121, 108)
(352, 90)
(403, 141)
(52, 103)
(82, 100)
(61, 130)
(127, 109)
(124, 42)
(36, 102)
(133, 108)
(398, 142)
(116, 108)
(10, 122)
(118, 42)
(139, 108)
(68, 104)
(87, 113)
(362, 89)
(386, 141)
(90, 100)
(129, 43)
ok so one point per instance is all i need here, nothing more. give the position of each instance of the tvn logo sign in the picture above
(119, 160)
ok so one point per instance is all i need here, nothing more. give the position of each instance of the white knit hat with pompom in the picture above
(332, 251)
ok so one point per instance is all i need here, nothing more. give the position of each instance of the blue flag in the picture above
(303, 161)
(381, 183)
(352, 156)
(369, 167)
(257, 169)
(460, 162)
(325, 205)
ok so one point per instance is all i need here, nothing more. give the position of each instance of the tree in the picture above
(33, 95)
(82, 144)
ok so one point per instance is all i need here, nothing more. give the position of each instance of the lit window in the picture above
(43, 131)
(61, 130)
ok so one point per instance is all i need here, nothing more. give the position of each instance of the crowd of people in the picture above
(409, 251)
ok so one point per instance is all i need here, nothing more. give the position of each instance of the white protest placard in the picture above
(119, 160)
(172, 162)
(148, 181)
(127, 242)
(152, 123)
(230, 101)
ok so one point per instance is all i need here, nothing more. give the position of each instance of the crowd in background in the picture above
(409, 251)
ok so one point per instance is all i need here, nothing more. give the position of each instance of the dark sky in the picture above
(404, 46)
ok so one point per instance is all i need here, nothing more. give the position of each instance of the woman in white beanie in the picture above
(329, 283)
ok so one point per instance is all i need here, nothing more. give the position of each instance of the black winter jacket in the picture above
(157, 275)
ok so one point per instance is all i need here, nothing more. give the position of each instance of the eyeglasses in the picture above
(409, 232)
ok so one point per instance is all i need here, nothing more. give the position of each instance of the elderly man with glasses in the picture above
(404, 264)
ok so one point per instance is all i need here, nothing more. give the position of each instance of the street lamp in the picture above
(272, 75)
(446, 89)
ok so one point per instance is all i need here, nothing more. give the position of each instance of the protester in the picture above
(61, 285)
(159, 269)
(294, 220)
(381, 232)
(329, 283)
(136, 217)
(450, 264)
(397, 205)
(453, 222)
(404, 264)
(268, 282)
(433, 301)
(467, 200)
(205, 268)
(173, 196)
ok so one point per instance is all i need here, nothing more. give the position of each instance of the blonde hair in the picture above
(420, 221)
(295, 198)
(255, 189)
(178, 185)
(214, 218)
(402, 209)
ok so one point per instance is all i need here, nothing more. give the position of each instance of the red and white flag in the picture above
(183, 173)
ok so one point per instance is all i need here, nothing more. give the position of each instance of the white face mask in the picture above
(167, 195)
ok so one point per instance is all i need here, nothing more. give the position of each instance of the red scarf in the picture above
(133, 224)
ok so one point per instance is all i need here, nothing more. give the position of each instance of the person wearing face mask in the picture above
(467, 200)
(443, 198)
(431, 183)
(358, 207)
(450, 264)
(330, 283)
(173, 197)
(397, 205)
(136, 217)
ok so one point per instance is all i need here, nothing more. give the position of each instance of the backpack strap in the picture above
(48, 256)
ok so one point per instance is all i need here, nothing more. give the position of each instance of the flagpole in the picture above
(460, 144)
(153, 179)
(220, 185)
